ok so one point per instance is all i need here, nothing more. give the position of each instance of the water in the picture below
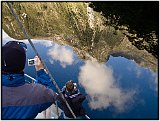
(117, 89)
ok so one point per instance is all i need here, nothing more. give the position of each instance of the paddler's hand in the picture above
(38, 64)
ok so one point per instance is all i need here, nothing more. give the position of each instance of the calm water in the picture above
(122, 89)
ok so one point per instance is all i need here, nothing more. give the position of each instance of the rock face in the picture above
(74, 24)
(141, 19)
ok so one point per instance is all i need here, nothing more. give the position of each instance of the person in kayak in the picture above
(71, 94)
(74, 99)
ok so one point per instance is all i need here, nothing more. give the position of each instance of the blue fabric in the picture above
(23, 112)
(14, 109)
(44, 79)
(17, 80)
(75, 104)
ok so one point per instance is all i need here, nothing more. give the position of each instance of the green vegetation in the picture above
(74, 24)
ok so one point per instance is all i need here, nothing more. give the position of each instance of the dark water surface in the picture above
(128, 76)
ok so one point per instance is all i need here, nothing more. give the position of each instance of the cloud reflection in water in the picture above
(99, 84)
(62, 54)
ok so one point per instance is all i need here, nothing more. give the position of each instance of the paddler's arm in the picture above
(42, 77)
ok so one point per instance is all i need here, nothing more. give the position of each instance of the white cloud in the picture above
(154, 81)
(62, 54)
(133, 67)
(5, 35)
(46, 43)
(138, 71)
(99, 83)
(57, 52)
(6, 38)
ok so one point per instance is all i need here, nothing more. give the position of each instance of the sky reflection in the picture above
(119, 88)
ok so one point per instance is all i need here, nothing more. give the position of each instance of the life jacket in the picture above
(75, 100)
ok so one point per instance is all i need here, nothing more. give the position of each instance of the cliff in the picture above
(74, 24)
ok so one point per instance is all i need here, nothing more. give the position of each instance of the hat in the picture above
(13, 56)
(69, 86)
